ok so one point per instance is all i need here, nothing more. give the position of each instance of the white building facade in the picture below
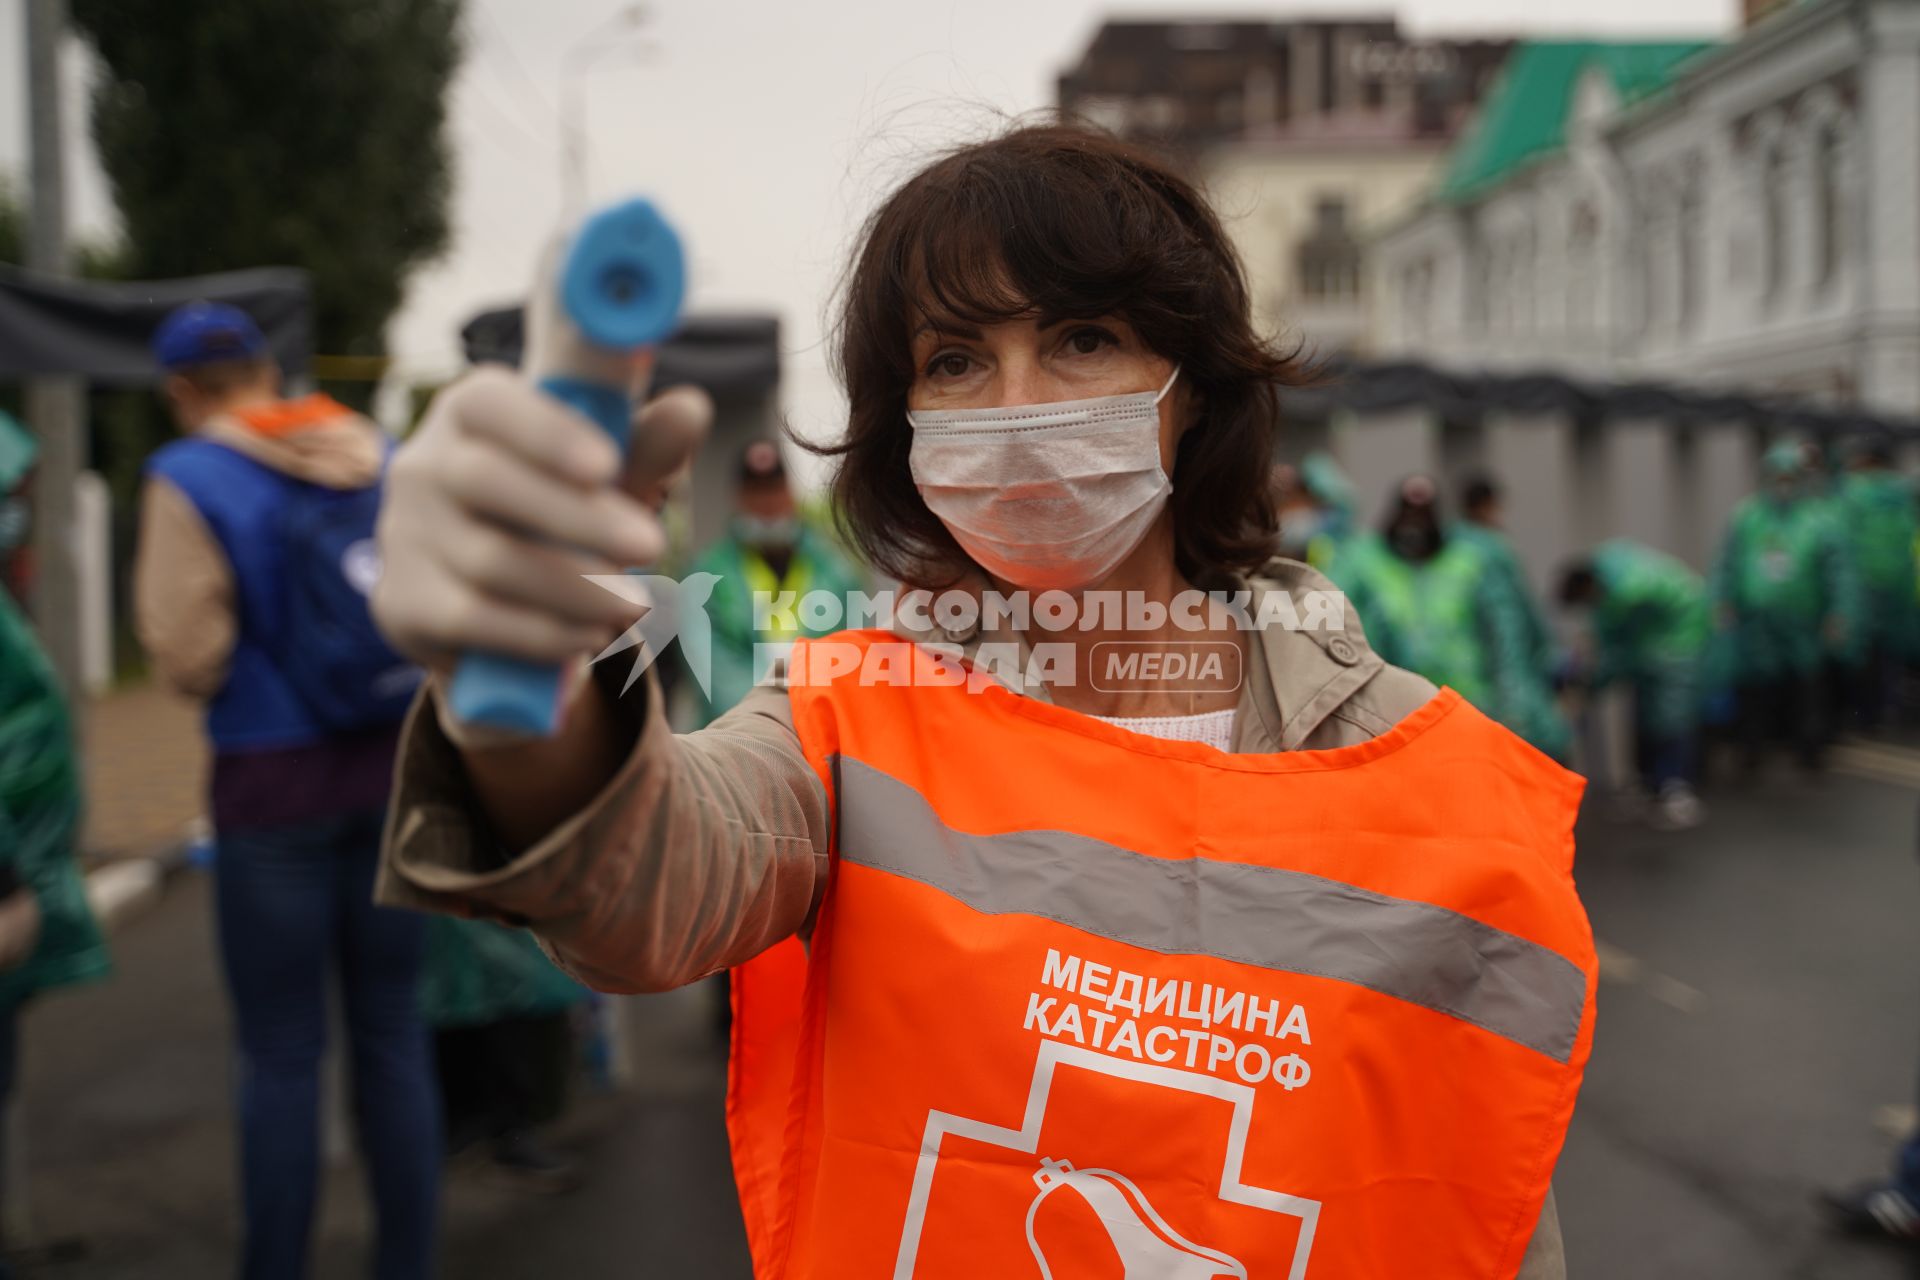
(1300, 211)
(1755, 226)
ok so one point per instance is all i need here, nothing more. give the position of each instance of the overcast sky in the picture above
(765, 129)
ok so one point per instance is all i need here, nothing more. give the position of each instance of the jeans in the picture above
(295, 906)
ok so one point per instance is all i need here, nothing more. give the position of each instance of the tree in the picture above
(310, 133)
(92, 261)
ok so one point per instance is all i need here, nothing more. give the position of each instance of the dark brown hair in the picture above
(1058, 219)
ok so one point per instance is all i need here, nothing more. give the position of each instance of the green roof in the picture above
(1525, 115)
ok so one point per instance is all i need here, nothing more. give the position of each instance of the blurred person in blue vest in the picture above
(48, 937)
(1784, 585)
(255, 557)
(1650, 625)
(770, 549)
(1880, 523)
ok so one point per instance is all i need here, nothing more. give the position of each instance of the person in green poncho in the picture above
(503, 1041)
(48, 936)
(770, 548)
(1315, 505)
(1430, 603)
(1650, 625)
(1878, 517)
(1482, 527)
(1785, 587)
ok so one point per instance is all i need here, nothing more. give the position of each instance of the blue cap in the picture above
(207, 333)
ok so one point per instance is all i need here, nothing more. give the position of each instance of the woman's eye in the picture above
(1086, 342)
(948, 364)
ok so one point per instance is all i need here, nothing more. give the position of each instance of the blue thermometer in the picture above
(605, 295)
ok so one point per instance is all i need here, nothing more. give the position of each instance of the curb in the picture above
(123, 889)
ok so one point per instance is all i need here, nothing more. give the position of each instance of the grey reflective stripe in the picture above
(1263, 916)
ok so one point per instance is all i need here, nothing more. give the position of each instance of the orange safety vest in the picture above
(1084, 1003)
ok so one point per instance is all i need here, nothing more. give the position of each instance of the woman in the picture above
(1271, 965)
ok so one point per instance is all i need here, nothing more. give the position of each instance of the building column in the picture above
(1890, 104)
(1299, 437)
(1463, 454)
(1686, 518)
(1590, 493)
(1719, 211)
(1379, 450)
(1531, 454)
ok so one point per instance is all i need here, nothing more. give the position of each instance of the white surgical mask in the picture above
(1045, 496)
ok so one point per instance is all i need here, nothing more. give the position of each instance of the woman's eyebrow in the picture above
(966, 331)
(1051, 320)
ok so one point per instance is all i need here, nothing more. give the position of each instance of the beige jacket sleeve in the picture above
(704, 850)
(183, 600)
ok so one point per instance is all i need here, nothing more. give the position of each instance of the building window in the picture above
(1419, 293)
(1690, 250)
(1832, 177)
(1496, 289)
(1775, 212)
(1583, 274)
(1328, 260)
(1522, 305)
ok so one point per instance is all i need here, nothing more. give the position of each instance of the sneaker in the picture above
(1677, 809)
(1879, 1209)
(523, 1161)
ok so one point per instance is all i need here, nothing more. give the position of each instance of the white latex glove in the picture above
(498, 507)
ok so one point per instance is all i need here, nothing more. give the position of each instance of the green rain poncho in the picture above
(818, 565)
(1651, 625)
(478, 972)
(1333, 493)
(1876, 509)
(1784, 573)
(40, 815)
(1458, 624)
(1495, 547)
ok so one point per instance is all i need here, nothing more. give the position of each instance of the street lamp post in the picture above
(580, 57)
(55, 405)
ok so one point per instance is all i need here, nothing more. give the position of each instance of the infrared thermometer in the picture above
(605, 296)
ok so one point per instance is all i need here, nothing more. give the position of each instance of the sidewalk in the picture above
(146, 764)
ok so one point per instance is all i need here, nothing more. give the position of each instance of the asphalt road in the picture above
(1760, 1017)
